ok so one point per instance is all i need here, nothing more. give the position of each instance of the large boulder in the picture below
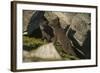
(81, 23)
(45, 52)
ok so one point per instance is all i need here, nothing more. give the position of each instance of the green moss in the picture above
(33, 42)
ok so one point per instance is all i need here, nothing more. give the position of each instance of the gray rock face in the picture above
(81, 23)
(46, 53)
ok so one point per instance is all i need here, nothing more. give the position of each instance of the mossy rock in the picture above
(32, 43)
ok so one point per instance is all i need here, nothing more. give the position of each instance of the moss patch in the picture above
(32, 42)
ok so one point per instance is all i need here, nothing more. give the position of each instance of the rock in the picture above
(35, 21)
(64, 18)
(50, 15)
(46, 52)
(87, 45)
(26, 56)
(47, 31)
(81, 24)
(26, 18)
